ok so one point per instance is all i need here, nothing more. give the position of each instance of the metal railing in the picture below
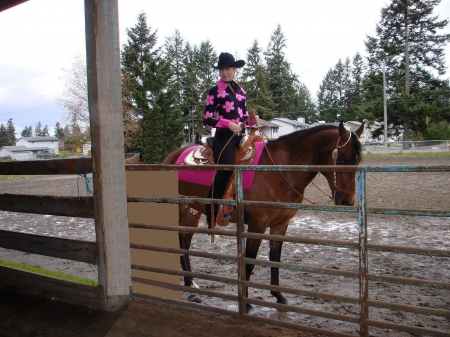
(362, 245)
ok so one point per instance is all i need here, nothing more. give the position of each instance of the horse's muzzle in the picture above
(342, 199)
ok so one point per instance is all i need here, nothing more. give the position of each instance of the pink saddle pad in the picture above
(205, 177)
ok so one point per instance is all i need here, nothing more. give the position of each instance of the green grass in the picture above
(56, 274)
(8, 177)
(408, 155)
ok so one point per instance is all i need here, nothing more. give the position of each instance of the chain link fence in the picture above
(408, 146)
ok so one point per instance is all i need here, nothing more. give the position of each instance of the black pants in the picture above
(227, 157)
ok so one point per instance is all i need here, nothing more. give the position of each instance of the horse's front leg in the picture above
(251, 251)
(275, 255)
(188, 218)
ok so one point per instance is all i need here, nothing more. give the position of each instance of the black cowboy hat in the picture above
(226, 60)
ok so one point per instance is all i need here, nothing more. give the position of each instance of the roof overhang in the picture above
(7, 4)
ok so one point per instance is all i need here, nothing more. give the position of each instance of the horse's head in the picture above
(347, 151)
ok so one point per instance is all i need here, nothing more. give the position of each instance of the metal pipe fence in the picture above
(362, 275)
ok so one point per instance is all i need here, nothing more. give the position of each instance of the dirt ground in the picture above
(23, 315)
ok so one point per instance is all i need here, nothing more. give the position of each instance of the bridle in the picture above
(335, 155)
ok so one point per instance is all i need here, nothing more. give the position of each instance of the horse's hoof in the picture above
(249, 309)
(283, 301)
(195, 298)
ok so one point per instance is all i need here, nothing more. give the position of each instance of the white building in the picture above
(270, 129)
(16, 152)
(287, 126)
(47, 143)
(31, 148)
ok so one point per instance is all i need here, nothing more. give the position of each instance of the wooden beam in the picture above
(62, 248)
(50, 287)
(82, 207)
(106, 125)
(7, 4)
(53, 166)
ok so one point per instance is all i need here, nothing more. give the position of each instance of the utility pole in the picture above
(193, 132)
(385, 106)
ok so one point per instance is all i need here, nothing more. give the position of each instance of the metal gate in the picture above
(363, 247)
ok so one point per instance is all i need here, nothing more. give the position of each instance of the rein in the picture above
(213, 220)
(284, 177)
(335, 156)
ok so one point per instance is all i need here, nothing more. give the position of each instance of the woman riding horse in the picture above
(325, 144)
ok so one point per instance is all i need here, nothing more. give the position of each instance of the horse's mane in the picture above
(317, 128)
(307, 131)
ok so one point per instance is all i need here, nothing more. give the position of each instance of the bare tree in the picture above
(75, 101)
(75, 97)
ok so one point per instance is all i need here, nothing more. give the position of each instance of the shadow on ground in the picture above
(26, 315)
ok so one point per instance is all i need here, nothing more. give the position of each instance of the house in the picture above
(287, 126)
(47, 143)
(268, 128)
(354, 125)
(16, 152)
(28, 148)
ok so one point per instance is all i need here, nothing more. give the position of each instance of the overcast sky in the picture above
(41, 37)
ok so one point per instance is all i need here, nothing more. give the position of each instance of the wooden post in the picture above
(105, 109)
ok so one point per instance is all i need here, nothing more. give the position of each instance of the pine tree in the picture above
(205, 56)
(408, 40)
(281, 79)
(59, 131)
(11, 130)
(27, 132)
(255, 81)
(4, 137)
(38, 129)
(175, 54)
(201, 77)
(45, 131)
(305, 106)
(332, 97)
(148, 80)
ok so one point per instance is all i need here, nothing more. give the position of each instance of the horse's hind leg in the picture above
(275, 255)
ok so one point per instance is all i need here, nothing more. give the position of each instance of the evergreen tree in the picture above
(11, 131)
(4, 137)
(192, 99)
(149, 75)
(27, 132)
(281, 79)
(408, 40)
(205, 78)
(306, 107)
(45, 131)
(175, 54)
(59, 131)
(255, 81)
(333, 103)
(205, 56)
(38, 129)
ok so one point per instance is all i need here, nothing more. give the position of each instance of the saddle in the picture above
(245, 154)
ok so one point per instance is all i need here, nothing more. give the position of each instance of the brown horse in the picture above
(325, 144)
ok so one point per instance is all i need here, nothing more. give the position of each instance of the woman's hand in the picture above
(236, 128)
(255, 118)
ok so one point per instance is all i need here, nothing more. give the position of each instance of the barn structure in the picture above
(111, 251)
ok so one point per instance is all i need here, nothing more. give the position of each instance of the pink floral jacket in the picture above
(223, 107)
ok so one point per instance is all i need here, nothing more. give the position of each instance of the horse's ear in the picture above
(342, 131)
(360, 130)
